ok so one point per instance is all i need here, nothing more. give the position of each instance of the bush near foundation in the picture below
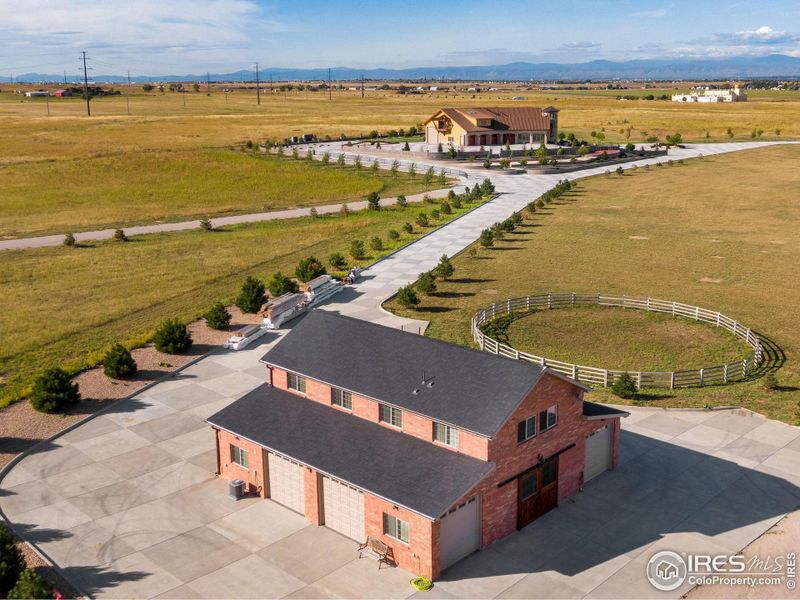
(54, 391)
(11, 563)
(218, 316)
(30, 585)
(251, 296)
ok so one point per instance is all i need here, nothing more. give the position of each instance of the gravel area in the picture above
(22, 427)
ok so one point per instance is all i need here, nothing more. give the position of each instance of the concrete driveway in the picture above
(128, 505)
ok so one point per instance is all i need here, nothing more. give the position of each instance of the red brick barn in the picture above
(435, 449)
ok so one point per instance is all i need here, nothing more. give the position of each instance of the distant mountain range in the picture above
(740, 67)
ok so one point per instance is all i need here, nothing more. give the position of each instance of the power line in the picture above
(86, 84)
(258, 87)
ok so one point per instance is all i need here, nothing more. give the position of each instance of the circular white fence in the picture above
(736, 370)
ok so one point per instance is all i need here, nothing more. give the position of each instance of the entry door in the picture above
(286, 484)
(537, 492)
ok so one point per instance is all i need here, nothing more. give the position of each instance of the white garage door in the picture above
(286, 483)
(343, 508)
(460, 532)
(598, 453)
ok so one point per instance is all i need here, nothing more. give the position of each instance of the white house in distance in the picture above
(707, 95)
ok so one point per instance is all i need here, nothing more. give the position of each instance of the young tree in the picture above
(428, 179)
(340, 160)
(337, 261)
(446, 208)
(54, 391)
(118, 363)
(376, 243)
(445, 268)
(375, 166)
(172, 337)
(374, 201)
(487, 238)
(119, 236)
(280, 284)
(624, 387)
(426, 283)
(344, 210)
(435, 214)
(357, 162)
(394, 235)
(422, 219)
(408, 228)
(326, 159)
(674, 139)
(541, 154)
(11, 561)
(357, 249)
(412, 171)
(406, 147)
(442, 179)
(308, 269)
(218, 316)
(251, 296)
(407, 297)
(401, 201)
(205, 225)
(394, 168)
(620, 171)
(69, 240)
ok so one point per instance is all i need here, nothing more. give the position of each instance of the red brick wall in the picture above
(311, 484)
(366, 408)
(254, 475)
(418, 555)
(499, 504)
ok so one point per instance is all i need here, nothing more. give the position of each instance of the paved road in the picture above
(275, 215)
(127, 505)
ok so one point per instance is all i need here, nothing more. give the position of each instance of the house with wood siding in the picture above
(434, 449)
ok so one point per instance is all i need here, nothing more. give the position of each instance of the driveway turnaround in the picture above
(128, 505)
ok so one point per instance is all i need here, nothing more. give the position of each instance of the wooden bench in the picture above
(374, 548)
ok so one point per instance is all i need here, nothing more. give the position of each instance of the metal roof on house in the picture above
(469, 389)
(506, 118)
(398, 467)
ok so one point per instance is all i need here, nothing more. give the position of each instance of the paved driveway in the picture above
(128, 506)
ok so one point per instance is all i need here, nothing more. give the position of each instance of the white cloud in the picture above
(580, 46)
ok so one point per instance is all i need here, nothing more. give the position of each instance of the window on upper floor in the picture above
(296, 382)
(240, 457)
(548, 419)
(445, 434)
(396, 528)
(526, 429)
(391, 415)
(341, 398)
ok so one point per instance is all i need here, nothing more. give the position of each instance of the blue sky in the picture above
(194, 36)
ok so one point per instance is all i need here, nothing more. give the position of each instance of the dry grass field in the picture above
(717, 232)
(125, 189)
(64, 306)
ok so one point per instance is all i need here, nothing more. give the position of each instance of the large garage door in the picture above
(343, 508)
(286, 483)
(460, 532)
(598, 453)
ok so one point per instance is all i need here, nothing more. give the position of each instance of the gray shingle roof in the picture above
(396, 466)
(471, 389)
(592, 410)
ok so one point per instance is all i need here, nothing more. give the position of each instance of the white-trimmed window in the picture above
(396, 528)
(548, 419)
(239, 457)
(391, 415)
(445, 434)
(341, 398)
(526, 429)
(296, 382)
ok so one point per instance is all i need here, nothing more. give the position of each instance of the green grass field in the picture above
(718, 232)
(624, 339)
(152, 186)
(63, 306)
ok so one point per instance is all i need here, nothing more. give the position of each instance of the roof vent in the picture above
(416, 391)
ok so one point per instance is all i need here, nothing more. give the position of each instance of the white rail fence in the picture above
(736, 370)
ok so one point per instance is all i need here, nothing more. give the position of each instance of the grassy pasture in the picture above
(65, 305)
(158, 122)
(718, 232)
(624, 339)
(144, 187)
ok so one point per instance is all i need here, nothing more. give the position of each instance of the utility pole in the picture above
(258, 88)
(208, 82)
(128, 95)
(362, 86)
(329, 85)
(65, 77)
(86, 84)
(271, 91)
